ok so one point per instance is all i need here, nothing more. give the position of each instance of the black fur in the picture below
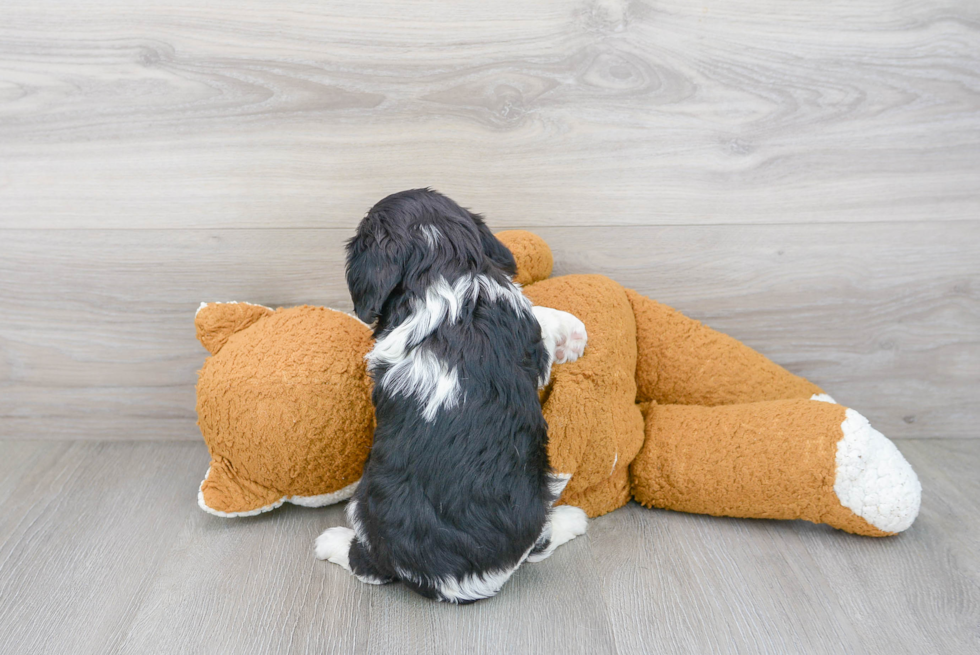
(390, 258)
(467, 493)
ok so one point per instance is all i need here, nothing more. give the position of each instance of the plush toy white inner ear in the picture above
(873, 479)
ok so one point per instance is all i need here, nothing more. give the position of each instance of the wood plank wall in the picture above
(804, 176)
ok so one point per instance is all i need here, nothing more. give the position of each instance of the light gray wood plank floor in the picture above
(103, 550)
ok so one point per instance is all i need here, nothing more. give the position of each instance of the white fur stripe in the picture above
(470, 587)
(417, 372)
(431, 233)
(442, 302)
(425, 376)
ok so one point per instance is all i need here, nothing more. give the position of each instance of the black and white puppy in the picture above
(457, 491)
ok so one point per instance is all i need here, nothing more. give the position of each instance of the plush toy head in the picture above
(284, 404)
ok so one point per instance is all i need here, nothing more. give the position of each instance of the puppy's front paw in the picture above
(571, 339)
(563, 334)
(334, 545)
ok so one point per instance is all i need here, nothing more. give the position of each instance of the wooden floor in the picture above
(103, 550)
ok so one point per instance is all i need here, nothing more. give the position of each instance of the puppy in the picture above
(457, 492)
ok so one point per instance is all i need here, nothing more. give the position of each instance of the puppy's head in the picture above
(411, 238)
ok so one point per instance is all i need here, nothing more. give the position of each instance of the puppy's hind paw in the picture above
(564, 524)
(334, 546)
(567, 522)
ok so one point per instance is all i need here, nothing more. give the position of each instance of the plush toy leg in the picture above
(787, 459)
(681, 361)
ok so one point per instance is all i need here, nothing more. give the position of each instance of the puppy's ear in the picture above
(494, 249)
(375, 266)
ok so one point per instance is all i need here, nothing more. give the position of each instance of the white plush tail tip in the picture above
(873, 480)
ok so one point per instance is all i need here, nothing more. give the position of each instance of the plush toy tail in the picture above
(786, 459)
(217, 321)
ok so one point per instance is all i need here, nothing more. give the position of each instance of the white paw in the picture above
(571, 343)
(334, 546)
(564, 335)
(873, 480)
(565, 523)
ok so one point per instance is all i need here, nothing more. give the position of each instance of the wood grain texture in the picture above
(84, 529)
(803, 176)
(98, 339)
(103, 550)
(623, 112)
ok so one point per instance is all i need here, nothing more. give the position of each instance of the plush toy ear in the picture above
(217, 321)
(375, 266)
(531, 254)
(224, 493)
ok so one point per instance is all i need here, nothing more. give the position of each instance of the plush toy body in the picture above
(660, 409)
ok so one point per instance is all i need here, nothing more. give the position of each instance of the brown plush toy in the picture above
(660, 409)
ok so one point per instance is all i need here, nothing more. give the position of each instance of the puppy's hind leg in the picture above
(564, 524)
(340, 546)
(363, 567)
